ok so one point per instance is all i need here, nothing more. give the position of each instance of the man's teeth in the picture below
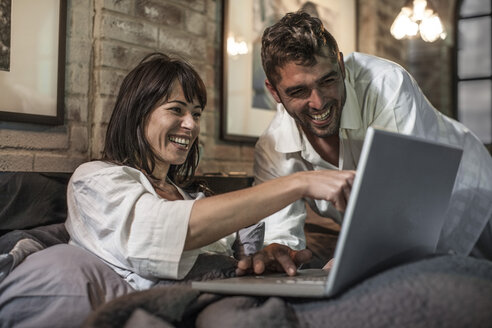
(322, 116)
(182, 141)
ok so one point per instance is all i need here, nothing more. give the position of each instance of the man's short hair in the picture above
(296, 37)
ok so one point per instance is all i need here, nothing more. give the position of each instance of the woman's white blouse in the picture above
(115, 213)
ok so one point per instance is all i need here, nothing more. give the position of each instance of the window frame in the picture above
(457, 79)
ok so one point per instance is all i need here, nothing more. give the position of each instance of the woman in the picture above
(129, 208)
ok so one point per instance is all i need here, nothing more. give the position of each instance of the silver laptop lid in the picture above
(394, 214)
(403, 185)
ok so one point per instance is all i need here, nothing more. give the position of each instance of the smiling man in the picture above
(325, 105)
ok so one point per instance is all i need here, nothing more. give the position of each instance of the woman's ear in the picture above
(272, 91)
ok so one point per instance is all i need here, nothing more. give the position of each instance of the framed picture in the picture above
(32, 60)
(247, 108)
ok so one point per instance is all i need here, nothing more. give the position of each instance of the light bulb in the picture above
(410, 21)
(419, 9)
(401, 25)
(412, 29)
(235, 48)
(431, 28)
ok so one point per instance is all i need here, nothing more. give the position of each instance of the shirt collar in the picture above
(288, 136)
(351, 114)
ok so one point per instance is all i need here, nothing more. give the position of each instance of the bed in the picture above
(44, 282)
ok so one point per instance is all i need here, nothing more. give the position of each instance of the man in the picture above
(326, 104)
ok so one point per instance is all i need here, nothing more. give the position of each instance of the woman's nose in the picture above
(188, 122)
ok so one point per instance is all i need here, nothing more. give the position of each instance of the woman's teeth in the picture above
(322, 116)
(180, 141)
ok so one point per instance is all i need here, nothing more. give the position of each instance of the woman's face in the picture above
(172, 128)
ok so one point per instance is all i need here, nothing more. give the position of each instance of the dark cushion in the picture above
(31, 199)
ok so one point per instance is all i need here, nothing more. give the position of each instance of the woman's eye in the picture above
(197, 116)
(175, 109)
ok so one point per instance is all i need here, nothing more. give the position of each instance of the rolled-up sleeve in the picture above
(115, 213)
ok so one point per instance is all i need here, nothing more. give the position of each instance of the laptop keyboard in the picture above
(308, 276)
(303, 280)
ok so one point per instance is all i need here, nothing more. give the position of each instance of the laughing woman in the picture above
(129, 208)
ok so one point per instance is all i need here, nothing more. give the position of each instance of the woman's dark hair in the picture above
(146, 87)
(297, 37)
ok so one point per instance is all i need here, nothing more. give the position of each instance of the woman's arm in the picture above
(215, 217)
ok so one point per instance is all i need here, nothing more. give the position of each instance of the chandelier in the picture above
(418, 17)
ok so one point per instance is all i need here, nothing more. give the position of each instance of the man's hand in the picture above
(274, 258)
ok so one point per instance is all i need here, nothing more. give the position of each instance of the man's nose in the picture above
(316, 99)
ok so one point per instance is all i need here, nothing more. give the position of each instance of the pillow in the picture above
(58, 287)
(16, 245)
(47, 235)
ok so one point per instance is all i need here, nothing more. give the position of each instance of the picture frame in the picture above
(32, 77)
(246, 106)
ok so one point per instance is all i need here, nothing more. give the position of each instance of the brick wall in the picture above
(374, 22)
(105, 38)
(31, 147)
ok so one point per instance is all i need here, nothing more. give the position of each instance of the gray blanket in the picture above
(444, 291)
(16, 245)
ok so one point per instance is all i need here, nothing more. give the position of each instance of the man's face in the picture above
(313, 95)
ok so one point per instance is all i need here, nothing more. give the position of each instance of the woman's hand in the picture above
(331, 185)
(273, 258)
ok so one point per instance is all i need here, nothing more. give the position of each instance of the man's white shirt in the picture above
(381, 94)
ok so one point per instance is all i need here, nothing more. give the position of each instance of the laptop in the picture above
(394, 215)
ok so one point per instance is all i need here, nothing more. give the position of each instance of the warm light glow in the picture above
(419, 9)
(401, 25)
(420, 18)
(431, 28)
(235, 48)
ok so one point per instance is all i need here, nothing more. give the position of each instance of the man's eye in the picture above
(329, 81)
(300, 93)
